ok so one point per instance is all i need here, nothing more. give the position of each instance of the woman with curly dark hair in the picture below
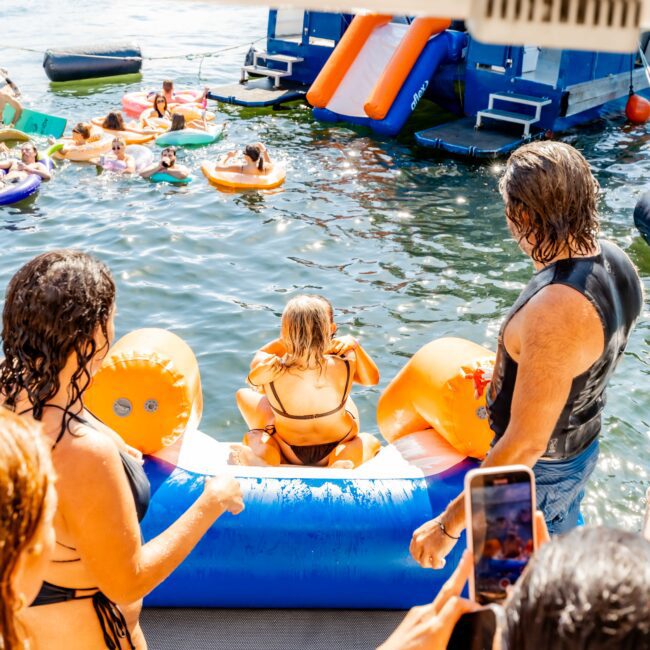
(57, 328)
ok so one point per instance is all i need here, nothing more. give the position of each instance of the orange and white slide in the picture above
(376, 64)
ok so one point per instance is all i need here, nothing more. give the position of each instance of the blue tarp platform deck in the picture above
(462, 139)
(257, 93)
(267, 629)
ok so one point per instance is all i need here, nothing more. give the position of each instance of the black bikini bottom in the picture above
(110, 617)
(307, 454)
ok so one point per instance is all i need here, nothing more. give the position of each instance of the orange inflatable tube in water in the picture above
(398, 69)
(442, 387)
(346, 52)
(148, 389)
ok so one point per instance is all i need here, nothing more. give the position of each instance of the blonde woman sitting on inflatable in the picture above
(119, 161)
(256, 161)
(302, 413)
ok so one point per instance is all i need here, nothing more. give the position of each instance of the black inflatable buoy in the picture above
(642, 216)
(91, 62)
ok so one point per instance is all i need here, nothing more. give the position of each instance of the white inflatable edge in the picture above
(415, 456)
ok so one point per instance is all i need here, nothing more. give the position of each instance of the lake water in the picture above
(408, 246)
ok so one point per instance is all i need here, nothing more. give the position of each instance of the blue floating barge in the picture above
(503, 95)
(515, 94)
(298, 44)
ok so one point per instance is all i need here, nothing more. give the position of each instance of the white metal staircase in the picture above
(512, 116)
(264, 71)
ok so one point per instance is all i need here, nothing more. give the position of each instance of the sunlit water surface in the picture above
(408, 246)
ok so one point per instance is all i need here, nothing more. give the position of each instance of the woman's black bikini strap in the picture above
(283, 412)
(64, 424)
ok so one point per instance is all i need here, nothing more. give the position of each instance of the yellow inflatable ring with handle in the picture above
(442, 387)
(237, 181)
(148, 389)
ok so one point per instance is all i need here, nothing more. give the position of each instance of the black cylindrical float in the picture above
(74, 63)
(642, 216)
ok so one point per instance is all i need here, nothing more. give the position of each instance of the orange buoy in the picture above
(637, 109)
(442, 387)
(148, 389)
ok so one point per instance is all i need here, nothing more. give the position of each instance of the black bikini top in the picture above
(135, 474)
(283, 412)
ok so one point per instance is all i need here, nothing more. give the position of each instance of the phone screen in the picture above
(502, 532)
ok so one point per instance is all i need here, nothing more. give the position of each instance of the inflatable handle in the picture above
(346, 52)
(442, 387)
(161, 177)
(148, 389)
(54, 148)
(398, 69)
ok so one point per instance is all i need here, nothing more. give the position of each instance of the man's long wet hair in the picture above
(54, 306)
(588, 590)
(551, 199)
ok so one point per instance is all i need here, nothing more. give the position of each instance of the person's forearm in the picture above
(367, 372)
(163, 554)
(505, 452)
(43, 173)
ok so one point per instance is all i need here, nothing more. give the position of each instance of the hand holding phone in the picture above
(429, 627)
(500, 507)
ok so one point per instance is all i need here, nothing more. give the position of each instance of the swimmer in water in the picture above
(19, 170)
(299, 410)
(82, 133)
(255, 160)
(119, 161)
(166, 165)
(179, 123)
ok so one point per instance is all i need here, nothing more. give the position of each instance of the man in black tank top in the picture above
(558, 346)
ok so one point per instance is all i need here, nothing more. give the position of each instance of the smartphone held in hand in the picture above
(500, 505)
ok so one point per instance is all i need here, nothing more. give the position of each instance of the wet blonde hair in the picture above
(25, 478)
(306, 331)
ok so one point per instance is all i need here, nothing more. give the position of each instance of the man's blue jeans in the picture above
(560, 488)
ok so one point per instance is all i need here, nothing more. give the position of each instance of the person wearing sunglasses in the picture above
(159, 115)
(118, 161)
(253, 160)
(166, 165)
(18, 170)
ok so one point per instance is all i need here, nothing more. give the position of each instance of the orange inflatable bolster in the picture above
(148, 389)
(443, 386)
(398, 69)
(337, 66)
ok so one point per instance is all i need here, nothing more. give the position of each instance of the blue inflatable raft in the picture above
(24, 189)
(309, 537)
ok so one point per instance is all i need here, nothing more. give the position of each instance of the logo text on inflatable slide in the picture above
(418, 95)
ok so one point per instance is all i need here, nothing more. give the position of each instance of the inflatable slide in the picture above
(381, 69)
